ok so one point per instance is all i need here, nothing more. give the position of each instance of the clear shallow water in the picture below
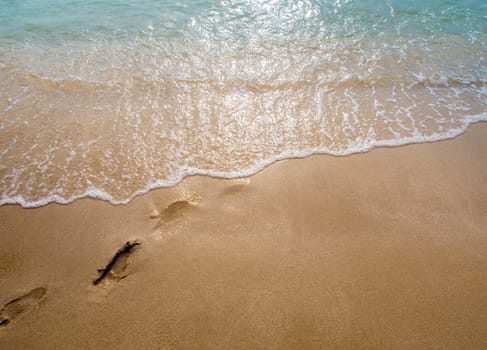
(111, 98)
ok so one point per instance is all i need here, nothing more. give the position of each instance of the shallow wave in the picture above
(231, 90)
(100, 194)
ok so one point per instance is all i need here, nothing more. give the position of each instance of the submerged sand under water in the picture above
(111, 106)
(378, 250)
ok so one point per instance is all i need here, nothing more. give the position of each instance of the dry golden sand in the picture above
(384, 250)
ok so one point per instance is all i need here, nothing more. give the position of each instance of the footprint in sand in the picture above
(115, 269)
(19, 306)
(236, 186)
(174, 211)
(234, 189)
(170, 220)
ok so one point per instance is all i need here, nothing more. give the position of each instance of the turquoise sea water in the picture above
(52, 21)
(111, 98)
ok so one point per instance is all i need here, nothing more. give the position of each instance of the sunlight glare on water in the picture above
(110, 99)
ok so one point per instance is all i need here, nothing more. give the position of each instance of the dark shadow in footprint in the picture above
(116, 267)
(17, 307)
(233, 189)
(174, 211)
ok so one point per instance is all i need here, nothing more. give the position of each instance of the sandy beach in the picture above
(381, 250)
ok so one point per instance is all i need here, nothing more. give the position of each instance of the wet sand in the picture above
(382, 250)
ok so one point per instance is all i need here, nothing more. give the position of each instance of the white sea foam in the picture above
(224, 89)
(294, 154)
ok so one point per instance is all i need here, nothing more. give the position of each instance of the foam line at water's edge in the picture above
(99, 194)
